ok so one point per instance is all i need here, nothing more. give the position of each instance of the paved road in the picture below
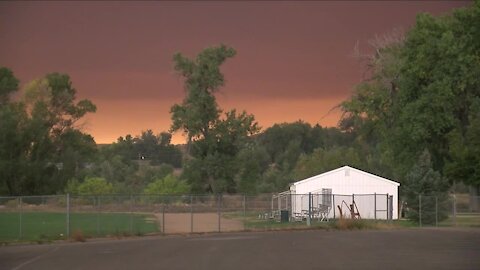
(396, 249)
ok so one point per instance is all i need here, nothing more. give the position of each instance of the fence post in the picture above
(21, 221)
(309, 209)
(244, 212)
(454, 209)
(218, 210)
(279, 202)
(163, 218)
(131, 214)
(334, 208)
(68, 215)
(98, 214)
(271, 206)
(436, 211)
(191, 213)
(420, 209)
(387, 209)
(375, 205)
(390, 207)
(287, 206)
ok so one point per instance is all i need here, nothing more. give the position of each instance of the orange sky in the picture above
(135, 115)
(294, 59)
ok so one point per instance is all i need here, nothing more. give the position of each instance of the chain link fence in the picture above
(46, 218)
(448, 210)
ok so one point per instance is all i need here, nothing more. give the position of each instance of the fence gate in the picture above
(390, 207)
(382, 203)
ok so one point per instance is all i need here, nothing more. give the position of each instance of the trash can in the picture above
(284, 216)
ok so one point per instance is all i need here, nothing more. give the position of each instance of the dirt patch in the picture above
(202, 222)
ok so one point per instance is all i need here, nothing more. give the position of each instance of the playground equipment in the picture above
(352, 209)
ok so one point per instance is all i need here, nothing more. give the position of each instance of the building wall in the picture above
(346, 181)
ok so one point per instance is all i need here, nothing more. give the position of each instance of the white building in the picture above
(335, 191)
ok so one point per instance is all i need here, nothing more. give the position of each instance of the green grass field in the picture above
(47, 226)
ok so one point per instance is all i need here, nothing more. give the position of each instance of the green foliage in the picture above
(213, 141)
(40, 146)
(95, 186)
(167, 185)
(465, 151)
(321, 161)
(273, 180)
(133, 162)
(13, 120)
(252, 162)
(422, 94)
(13, 146)
(279, 137)
(52, 98)
(286, 144)
(117, 169)
(149, 173)
(439, 82)
(199, 110)
(157, 148)
(425, 181)
(8, 85)
(72, 187)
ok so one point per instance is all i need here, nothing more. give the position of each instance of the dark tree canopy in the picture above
(423, 95)
(8, 85)
(41, 148)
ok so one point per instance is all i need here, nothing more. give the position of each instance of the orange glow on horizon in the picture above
(119, 118)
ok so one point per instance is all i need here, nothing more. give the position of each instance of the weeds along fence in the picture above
(46, 218)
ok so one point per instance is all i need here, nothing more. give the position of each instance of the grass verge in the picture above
(42, 227)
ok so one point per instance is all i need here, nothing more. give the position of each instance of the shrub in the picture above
(72, 186)
(167, 185)
(95, 186)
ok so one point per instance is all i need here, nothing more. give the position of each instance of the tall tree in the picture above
(199, 112)
(429, 102)
(213, 141)
(13, 138)
(439, 83)
(58, 147)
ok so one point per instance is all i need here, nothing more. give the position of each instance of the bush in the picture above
(72, 186)
(148, 174)
(167, 185)
(95, 186)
